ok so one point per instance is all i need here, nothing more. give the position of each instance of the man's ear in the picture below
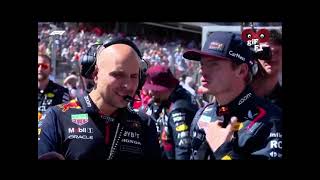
(243, 70)
(95, 74)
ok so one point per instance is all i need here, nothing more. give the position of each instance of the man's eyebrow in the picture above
(117, 72)
(211, 61)
(121, 72)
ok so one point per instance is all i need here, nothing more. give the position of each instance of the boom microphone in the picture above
(130, 99)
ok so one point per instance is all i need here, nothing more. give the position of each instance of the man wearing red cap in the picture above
(173, 108)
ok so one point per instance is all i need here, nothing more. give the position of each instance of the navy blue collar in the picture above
(90, 107)
(241, 105)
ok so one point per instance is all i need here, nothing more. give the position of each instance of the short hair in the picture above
(45, 57)
(275, 37)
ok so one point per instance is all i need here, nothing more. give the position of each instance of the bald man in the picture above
(99, 125)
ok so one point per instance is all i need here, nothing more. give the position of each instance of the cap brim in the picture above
(196, 55)
(155, 87)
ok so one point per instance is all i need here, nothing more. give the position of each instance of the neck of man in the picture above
(228, 96)
(42, 84)
(105, 108)
(263, 86)
(166, 97)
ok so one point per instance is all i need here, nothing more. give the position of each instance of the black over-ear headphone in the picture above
(88, 61)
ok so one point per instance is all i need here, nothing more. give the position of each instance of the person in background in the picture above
(49, 93)
(173, 108)
(71, 82)
(267, 83)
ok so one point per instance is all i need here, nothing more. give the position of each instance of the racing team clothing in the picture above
(259, 135)
(52, 95)
(173, 119)
(276, 95)
(78, 130)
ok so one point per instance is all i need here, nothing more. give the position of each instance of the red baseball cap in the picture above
(160, 78)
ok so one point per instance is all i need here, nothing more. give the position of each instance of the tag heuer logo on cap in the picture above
(79, 119)
(216, 46)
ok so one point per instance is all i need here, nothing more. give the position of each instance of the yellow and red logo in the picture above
(50, 95)
(72, 104)
(39, 116)
(226, 157)
(238, 126)
(182, 127)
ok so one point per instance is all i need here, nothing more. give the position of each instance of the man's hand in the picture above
(216, 135)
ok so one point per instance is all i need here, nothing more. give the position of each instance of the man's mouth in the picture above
(122, 95)
(204, 82)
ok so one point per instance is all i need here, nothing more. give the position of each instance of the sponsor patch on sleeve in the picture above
(182, 127)
(178, 118)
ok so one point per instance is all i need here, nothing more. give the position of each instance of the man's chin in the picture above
(157, 100)
(204, 90)
(41, 77)
(119, 105)
(122, 103)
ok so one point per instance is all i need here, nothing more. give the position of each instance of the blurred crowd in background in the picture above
(67, 48)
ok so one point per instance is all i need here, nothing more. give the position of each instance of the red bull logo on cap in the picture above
(216, 46)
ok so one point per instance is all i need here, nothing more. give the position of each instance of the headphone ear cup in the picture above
(87, 66)
(255, 68)
(142, 79)
(144, 65)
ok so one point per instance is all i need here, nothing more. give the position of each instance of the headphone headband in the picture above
(88, 61)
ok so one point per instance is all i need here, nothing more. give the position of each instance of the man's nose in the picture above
(129, 85)
(202, 70)
(125, 85)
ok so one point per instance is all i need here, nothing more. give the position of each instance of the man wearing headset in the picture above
(267, 83)
(100, 125)
(238, 124)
